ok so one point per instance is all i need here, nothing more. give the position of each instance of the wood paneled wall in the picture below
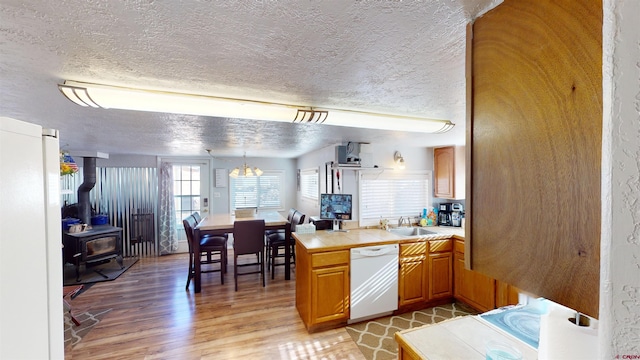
(535, 148)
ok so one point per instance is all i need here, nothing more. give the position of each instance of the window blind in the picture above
(309, 184)
(392, 196)
(263, 192)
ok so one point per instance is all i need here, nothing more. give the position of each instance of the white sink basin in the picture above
(411, 231)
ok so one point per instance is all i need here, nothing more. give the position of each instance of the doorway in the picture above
(190, 193)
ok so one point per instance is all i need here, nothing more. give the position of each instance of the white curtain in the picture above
(167, 218)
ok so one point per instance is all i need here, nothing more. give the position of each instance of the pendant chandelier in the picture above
(245, 170)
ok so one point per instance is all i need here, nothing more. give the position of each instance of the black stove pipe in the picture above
(84, 203)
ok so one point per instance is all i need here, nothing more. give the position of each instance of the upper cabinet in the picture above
(449, 172)
(533, 203)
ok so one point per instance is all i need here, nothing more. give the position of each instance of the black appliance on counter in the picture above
(320, 223)
(450, 214)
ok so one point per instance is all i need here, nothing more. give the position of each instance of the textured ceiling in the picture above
(399, 57)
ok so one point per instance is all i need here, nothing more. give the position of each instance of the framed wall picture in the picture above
(221, 178)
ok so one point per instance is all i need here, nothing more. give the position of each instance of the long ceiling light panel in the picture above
(112, 97)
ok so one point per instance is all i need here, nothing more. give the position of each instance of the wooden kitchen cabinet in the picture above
(440, 269)
(514, 135)
(449, 172)
(322, 288)
(480, 291)
(472, 287)
(412, 279)
(506, 294)
(330, 293)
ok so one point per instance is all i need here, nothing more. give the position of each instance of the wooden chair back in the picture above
(189, 224)
(292, 211)
(248, 236)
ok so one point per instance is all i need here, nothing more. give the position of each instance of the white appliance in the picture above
(374, 281)
(31, 309)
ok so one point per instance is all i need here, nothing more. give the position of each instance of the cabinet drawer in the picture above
(329, 258)
(413, 249)
(459, 246)
(440, 246)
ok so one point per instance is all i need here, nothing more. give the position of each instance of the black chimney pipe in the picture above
(84, 204)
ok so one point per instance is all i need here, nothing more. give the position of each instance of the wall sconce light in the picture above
(114, 97)
(397, 157)
(245, 170)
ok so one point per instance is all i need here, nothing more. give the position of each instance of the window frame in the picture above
(305, 194)
(373, 220)
(280, 174)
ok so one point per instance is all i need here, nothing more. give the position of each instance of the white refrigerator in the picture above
(31, 309)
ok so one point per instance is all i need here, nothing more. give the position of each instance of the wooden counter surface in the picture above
(325, 240)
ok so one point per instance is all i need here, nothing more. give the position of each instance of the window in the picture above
(391, 196)
(309, 184)
(186, 190)
(264, 192)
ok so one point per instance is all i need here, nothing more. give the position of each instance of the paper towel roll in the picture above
(561, 339)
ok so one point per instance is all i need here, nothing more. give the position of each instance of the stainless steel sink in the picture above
(411, 231)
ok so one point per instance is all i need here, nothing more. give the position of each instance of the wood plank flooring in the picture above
(154, 317)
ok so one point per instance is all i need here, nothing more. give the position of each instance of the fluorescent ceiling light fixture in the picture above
(113, 97)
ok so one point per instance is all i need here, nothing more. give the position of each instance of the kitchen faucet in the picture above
(401, 220)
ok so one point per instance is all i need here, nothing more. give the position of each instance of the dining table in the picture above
(221, 224)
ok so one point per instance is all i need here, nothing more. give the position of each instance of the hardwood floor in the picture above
(153, 317)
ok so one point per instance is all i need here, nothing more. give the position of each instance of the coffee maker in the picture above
(457, 213)
(444, 214)
(450, 214)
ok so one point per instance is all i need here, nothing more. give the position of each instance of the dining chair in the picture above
(276, 242)
(209, 247)
(289, 218)
(207, 239)
(196, 215)
(248, 239)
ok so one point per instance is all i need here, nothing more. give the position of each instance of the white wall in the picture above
(220, 196)
(217, 204)
(117, 160)
(416, 158)
(620, 237)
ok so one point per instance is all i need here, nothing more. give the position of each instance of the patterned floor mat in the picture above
(88, 320)
(375, 338)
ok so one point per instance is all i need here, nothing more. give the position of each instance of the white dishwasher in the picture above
(374, 281)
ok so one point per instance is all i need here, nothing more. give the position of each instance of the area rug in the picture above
(375, 338)
(96, 273)
(88, 320)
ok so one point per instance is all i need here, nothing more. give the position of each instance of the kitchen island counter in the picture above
(323, 271)
(321, 241)
(458, 338)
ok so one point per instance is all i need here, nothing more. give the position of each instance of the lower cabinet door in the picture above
(474, 288)
(330, 294)
(412, 281)
(441, 275)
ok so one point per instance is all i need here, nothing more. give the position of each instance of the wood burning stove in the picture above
(99, 243)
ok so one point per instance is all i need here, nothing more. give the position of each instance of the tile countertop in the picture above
(329, 240)
(458, 338)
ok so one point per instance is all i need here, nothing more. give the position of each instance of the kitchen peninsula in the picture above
(323, 270)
